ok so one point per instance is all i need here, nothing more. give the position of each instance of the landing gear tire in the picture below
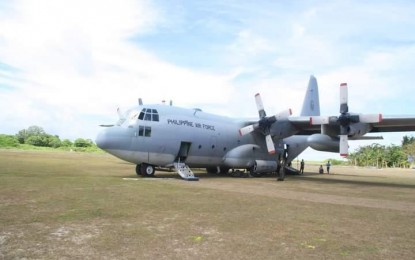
(138, 169)
(253, 173)
(147, 170)
(224, 170)
(212, 170)
(281, 175)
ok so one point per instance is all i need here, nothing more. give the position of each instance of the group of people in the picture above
(328, 165)
(320, 170)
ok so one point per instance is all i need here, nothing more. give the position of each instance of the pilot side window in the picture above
(141, 116)
(144, 131)
(149, 115)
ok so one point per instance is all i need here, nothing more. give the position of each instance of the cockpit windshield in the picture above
(131, 115)
(148, 114)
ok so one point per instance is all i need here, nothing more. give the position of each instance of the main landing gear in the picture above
(281, 174)
(144, 169)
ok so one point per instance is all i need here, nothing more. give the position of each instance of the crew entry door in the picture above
(183, 151)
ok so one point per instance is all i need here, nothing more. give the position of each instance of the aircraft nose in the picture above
(114, 138)
(102, 140)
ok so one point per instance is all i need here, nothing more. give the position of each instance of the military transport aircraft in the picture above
(167, 136)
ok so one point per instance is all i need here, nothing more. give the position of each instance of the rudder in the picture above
(311, 104)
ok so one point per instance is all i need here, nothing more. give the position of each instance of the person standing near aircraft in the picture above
(320, 170)
(328, 164)
(302, 167)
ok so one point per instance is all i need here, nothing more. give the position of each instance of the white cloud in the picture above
(77, 61)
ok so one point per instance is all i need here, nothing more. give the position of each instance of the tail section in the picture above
(311, 104)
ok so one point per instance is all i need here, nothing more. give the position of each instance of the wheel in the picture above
(147, 170)
(253, 173)
(224, 170)
(212, 170)
(281, 175)
(138, 169)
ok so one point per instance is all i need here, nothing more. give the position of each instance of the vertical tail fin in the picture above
(311, 104)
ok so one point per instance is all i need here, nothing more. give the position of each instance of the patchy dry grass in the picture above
(71, 205)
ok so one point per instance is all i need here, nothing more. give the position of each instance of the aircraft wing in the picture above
(389, 123)
(303, 125)
(394, 124)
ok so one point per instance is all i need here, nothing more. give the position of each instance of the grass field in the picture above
(92, 206)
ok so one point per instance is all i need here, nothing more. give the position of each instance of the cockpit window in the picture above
(141, 116)
(149, 115)
(144, 131)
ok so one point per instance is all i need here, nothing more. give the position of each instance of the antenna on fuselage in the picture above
(140, 101)
(171, 102)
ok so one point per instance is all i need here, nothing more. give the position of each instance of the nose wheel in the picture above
(145, 170)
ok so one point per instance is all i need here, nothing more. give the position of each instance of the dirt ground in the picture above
(91, 206)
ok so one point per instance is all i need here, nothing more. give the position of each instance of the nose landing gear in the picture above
(145, 170)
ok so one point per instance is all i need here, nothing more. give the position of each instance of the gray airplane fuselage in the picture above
(161, 135)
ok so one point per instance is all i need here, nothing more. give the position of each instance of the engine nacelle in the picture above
(323, 143)
(262, 166)
(282, 129)
(358, 129)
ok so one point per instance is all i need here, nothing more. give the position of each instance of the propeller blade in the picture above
(246, 130)
(344, 146)
(343, 98)
(283, 114)
(319, 120)
(120, 114)
(370, 118)
(260, 106)
(270, 144)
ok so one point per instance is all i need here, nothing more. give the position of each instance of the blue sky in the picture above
(68, 65)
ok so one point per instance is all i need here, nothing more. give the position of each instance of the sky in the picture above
(68, 65)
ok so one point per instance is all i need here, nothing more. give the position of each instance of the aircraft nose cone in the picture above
(114, 138)
(102, 140)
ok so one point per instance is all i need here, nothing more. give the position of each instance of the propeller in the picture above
(345, 120)
(264, 124)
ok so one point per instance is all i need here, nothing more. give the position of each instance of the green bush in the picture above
(8, 141)
(80, 142)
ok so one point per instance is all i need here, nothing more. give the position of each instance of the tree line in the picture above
(382, 156)
(375, 155)
(37, 136)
